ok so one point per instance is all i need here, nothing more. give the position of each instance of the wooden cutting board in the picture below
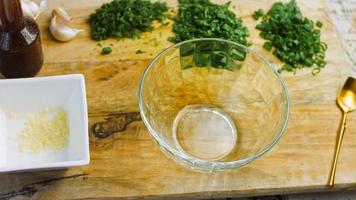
(125, 162)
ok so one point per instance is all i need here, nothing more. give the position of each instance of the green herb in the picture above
(319, 24)
(257, 14)
(203, 19)
(125, 19)
(139, 51)
(293, 38)
(211, 53)
(106, 50)
(268, 45)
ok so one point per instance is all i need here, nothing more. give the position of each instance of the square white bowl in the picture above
(31, 95)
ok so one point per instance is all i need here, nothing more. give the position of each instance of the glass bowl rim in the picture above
(212, 165)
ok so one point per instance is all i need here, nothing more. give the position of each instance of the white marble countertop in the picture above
(344, 18)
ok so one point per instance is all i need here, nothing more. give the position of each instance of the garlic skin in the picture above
(31, 9)
(59, 26)
(62, 14)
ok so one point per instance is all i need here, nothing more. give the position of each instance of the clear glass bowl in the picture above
(213, 104)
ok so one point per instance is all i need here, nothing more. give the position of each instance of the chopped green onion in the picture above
(106, 50)
(293, 38)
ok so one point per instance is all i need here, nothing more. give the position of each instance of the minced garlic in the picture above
(45, 130)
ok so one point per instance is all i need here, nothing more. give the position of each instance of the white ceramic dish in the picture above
(31, 95)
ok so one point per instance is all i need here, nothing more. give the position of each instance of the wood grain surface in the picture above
(126, 163)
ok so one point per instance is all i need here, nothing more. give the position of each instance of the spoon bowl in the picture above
(347, 96)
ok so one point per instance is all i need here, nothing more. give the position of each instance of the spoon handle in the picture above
(337, 149)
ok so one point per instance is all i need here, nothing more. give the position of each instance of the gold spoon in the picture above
(347, 103)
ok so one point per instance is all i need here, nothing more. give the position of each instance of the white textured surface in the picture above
(344, 17)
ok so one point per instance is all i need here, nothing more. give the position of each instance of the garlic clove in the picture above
(62, 32)
(31, 9)
(43, 5)
(62, 15)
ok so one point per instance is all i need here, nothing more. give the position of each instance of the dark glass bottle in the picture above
(20, 43)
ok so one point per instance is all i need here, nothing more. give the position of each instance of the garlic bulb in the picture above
(59, 26)
(31, 9)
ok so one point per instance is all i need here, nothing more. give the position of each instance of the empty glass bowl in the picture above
(213, 104)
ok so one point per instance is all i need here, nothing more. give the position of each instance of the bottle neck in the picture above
(11, 16)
